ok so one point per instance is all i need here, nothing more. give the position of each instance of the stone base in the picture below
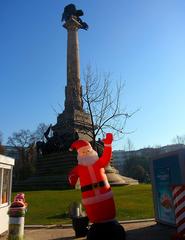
(115, 179)
(71, 122)
(51, 173)
(49, 182)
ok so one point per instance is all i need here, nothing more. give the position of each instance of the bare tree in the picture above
(1, 137)
(24, 142)
(179, 139)
(103, 104)
(129, 146)
(21, 139)
(2, 150)
(39, 133)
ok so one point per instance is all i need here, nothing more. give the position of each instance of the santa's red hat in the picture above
(79, 144)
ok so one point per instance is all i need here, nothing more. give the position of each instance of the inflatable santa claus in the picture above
(97, 196)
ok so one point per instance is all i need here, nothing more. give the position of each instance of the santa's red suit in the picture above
(97, 196)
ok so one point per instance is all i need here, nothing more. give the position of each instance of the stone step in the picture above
(53, 158)
(55, 167)
(58, 164)
(47, 178)
(41, 186)
(51, 172)
(43, 182)
(66, 157)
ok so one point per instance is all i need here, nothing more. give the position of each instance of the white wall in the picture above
(4, 218)
(5, 163)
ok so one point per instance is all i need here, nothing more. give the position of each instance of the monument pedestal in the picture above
(51, 172)
(72, 124)
(115, 179)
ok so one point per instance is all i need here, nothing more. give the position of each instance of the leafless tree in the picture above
(129, 146)
(179, 139)
(39, 133)
(2, 150)
(103, 104)
(24, 142)
(21, 139)
(1, 137)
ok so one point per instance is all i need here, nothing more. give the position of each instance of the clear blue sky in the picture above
(141, 41)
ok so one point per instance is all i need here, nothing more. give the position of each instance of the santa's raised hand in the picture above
(108, 140)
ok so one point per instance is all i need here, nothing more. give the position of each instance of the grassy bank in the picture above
(51, 207)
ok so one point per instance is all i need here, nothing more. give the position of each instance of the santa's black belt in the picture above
(92, 186)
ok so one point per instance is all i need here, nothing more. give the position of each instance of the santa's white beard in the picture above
(89, 159)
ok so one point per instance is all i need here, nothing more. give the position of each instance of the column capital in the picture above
(72, 24)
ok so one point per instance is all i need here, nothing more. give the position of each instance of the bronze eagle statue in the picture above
(71, 11)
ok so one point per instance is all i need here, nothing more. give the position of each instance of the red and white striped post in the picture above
(179, 205)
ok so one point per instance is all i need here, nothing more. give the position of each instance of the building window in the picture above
(5, 178)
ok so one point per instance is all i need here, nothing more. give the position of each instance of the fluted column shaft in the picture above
(73, 91)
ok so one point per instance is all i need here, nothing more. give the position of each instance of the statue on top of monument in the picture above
(71, 11)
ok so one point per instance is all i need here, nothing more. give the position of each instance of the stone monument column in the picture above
(73, 122)
(73, 91)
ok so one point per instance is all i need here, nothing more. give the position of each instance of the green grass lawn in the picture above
(51, 207)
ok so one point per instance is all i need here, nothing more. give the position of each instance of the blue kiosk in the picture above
(167, 170)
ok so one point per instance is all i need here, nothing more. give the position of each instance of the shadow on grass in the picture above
(154, 232)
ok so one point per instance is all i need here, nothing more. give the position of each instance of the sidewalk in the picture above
(144, 230)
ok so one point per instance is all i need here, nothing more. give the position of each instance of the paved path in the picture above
(134, 231)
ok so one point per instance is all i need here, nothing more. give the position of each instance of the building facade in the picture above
(119, 156)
